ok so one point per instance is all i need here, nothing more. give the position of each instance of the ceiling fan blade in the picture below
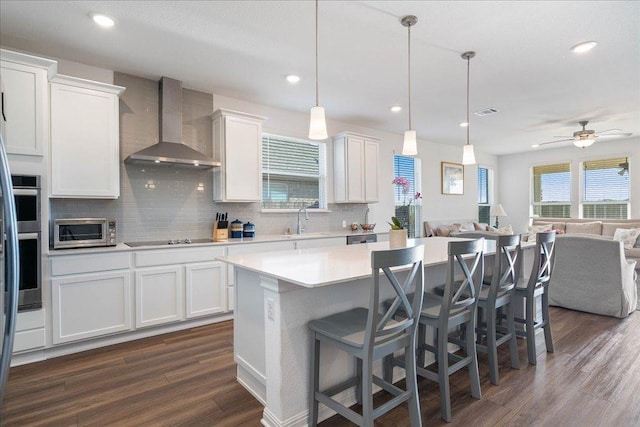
(562, 136)
(615, 135)
(611, 131)
(553, 142)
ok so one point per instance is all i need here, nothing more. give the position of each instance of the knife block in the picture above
(220, 231)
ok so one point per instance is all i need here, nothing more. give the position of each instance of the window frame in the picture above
(322, 174)
(582, 188)
(490, 191)
(533, 204)
(417, 188)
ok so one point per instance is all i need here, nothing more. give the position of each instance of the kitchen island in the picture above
(277, 293)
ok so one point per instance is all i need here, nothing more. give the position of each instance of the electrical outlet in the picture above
(344, 223)
(270, 309)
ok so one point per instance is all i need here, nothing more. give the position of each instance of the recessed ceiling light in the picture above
(535, 146)
(583, 47)
(395, 108)
(292, 78)
(102, 20)
(464, 124)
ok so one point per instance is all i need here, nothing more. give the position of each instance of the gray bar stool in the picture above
(496, 296)
(368, 335)
(457, 307)
(537, 285)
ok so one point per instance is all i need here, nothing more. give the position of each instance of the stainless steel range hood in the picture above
(171, 151)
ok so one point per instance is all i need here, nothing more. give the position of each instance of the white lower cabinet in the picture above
(177, 284)
(206, 290)
(159, 296)
(30, 332)
(90, 295)
(90, 305)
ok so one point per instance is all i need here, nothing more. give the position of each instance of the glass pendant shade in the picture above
(317, 124)
(409, 147)
(468, 156)
(583, 143)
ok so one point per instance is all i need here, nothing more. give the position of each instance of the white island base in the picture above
(277, 294)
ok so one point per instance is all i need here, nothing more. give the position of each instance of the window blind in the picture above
(605, 188)
(408, 168)
(483, 196)
(551, 190)
(293, 173)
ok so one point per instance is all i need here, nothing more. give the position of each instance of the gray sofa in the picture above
(591, 274)
(605, 228)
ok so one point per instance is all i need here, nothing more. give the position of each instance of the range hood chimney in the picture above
(171, 151)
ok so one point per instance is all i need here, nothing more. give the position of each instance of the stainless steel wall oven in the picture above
(27, 197)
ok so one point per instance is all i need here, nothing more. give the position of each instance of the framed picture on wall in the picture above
(452, 178)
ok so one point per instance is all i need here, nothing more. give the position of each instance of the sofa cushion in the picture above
(633, 253)
(594, 227)
(532, 230)
(444, 230)
(627, 236)
(554, 225)
(507, 229)
(480, 226)
(609, 228)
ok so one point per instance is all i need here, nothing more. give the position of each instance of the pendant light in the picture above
(468, 156)
(317, 122)
(409, 147)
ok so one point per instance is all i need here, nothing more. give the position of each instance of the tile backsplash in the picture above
(158, 203)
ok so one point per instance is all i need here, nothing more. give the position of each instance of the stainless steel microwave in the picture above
(84, 232)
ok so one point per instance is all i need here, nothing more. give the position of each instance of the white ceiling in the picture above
(243, 49)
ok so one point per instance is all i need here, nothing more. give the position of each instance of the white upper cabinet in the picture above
(237, 144)
(355, 167)
(25, 102)
(85, 156)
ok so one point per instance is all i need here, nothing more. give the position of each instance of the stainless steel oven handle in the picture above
(25, 192)
(28, 236)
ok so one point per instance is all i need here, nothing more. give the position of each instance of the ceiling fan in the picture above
(585, 137)
(624, 167)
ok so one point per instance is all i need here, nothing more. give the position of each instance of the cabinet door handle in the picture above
(3, 116)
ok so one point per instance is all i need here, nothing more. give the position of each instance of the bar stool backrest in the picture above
(464, 257)
(543, 260)
(507, 264)
(381, 328)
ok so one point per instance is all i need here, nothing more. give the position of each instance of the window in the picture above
(605, 188)
(484, 203)
(293, 173)
(551, 190)
(408, 208)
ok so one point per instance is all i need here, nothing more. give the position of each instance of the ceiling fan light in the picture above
(409, 146)
(583, 143)
(468, 156)
(317, 124)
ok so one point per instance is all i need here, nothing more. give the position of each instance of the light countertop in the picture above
(260, 238)
(316, 267)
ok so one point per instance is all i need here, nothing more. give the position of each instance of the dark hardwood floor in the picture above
(188, 379)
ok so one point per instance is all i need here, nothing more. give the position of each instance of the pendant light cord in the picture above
(317, 103)
(468, 123)
(409, 71)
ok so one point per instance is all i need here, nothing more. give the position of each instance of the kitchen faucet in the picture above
(366, 216)
(306, 217)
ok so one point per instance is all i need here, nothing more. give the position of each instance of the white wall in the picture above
(295, 124)
(435, 204)
(514, 180)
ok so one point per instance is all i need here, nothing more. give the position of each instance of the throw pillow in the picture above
(594, 227)
(627, 236)
(637, 245)
(535, 229)
(443, 231)
(479, 227)
(505, 230)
